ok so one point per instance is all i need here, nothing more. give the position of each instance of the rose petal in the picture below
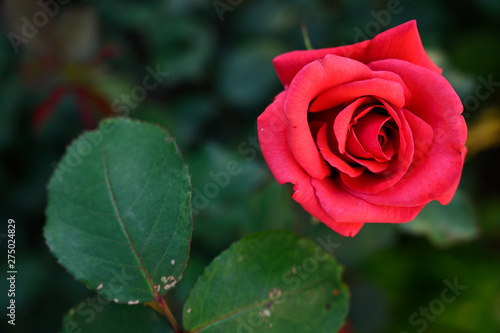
(370, 183)
(271, 126)
(438, 170)
(354, 148)
(386, 75)
(448, 196)
(436, 93)
(273, 142)
(342, 123)
(367, 130)
(305, 195)
(423, 134)
(388, 147)
(338, 147)
(327, 72)
(344, 207)
(389, 90)
(342, 126)
(355, 152)
(331, 158)
(401, 42)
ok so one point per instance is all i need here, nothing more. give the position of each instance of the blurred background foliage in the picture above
(66, 77)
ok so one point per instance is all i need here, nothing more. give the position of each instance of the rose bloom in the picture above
(369, 132)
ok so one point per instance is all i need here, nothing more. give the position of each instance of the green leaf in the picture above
(445, 225)
(119, 211)
(98, 315)
(271, 280)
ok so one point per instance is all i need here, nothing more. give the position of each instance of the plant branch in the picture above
(163, 305)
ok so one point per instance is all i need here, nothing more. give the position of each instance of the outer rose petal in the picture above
(271, 125)
(274, 145)
(446, 198)
(401, 42)
(306, 196)
(344, 207)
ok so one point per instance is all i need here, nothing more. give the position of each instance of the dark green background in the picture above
(221, 78)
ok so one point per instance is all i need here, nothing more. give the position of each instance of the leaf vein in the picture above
(92, 234)
(122, 223)
(256, 305)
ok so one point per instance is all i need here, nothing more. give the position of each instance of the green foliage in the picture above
(119, 214)
(99, 316)
(246, 75)
(119, 220)
(10, 95)
(273, 280)
(445, 225)
(221, 78)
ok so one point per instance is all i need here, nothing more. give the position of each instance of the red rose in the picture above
(369, 132)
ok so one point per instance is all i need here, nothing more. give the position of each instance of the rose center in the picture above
(382, 139)
(370, 135)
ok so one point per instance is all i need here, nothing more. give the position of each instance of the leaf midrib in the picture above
(122, 223)
(257, 305)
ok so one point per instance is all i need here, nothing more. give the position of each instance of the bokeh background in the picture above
(74, 69)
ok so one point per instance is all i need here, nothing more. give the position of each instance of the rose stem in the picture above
(305, 34)
(168, 313)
